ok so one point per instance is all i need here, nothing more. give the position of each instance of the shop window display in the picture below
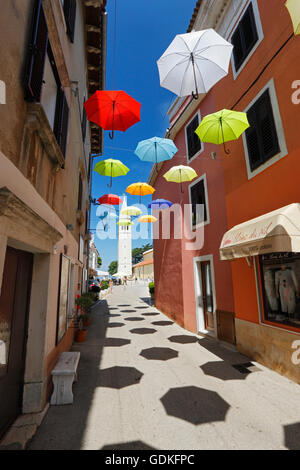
(280, 276)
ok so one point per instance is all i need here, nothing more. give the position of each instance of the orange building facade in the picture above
(251, 196)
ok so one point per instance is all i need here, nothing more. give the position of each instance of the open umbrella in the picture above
(110, 199)
(293, 7)
(125, 223)
(160, 204)
(147, 219)
(112, 168)
(194, 62)
(140, 189)
(156, 150)
(221, 127)
(113, 110)
(131, 211)
(180, 174)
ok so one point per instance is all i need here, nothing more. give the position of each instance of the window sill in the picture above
(37, 121)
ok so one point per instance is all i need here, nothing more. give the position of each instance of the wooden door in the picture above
(14, 303)
(207, 295)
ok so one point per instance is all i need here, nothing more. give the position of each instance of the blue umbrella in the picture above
(156, 150)
(160, 204)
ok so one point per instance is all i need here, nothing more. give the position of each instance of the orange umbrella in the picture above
(148, 219)
(140, 189)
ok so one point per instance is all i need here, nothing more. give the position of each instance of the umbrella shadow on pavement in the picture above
(222, 370)
(115, 325)
(134, 319)
(150, 314)
(119, 377)
(183, 339)
(163, 323)
(143, 331)
(134, 445)
(195, 405)
(159, 354)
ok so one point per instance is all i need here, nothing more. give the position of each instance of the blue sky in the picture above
(144, 31)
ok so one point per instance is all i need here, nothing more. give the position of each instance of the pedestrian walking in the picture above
(110, 285)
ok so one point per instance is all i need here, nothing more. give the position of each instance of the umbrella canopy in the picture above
(156, 150)
(223, 126)
(180, 174)
(131, 211)
(140, 189)
(125, 223)
(147, 219)
(160, 204)
(113, 110)
(194, 62)
(112, 168)
(293, 7)
(110, 199)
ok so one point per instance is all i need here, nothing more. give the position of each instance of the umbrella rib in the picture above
(200, 77)
(171, 70)
(184, 75)
(214, 63)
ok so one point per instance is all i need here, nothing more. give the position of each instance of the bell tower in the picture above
(124, 245)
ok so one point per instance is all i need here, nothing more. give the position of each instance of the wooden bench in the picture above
(63, 375)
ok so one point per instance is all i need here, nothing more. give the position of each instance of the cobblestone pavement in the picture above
(146, 383)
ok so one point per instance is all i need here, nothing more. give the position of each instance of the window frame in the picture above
(283, 151)
(207, 221)
(260, 35)
(189, 160)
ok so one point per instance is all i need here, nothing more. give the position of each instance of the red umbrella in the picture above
(110, 199)
(113, 110)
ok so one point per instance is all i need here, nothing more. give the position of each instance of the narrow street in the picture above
(145, 383)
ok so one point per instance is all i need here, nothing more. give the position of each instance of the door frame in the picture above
(200, 317)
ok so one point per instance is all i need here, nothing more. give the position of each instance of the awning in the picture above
(277, 231)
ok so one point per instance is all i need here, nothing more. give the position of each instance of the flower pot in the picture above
(87, 323)
(80, 336)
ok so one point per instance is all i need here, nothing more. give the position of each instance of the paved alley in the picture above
(145, 383)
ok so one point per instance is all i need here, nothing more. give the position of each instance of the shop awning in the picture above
(277, 231)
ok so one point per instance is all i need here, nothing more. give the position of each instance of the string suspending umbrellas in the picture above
(194, 62)
(222, 126)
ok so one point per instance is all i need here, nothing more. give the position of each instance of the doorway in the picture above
(205, 295)
(14, 305)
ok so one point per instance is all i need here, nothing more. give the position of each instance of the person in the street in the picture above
(110, 285)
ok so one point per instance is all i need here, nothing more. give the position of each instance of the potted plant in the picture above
(86, 319)
(85, 303)
(81, 332)
(151, 290)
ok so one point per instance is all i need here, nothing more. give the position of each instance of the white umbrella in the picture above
(194, 62)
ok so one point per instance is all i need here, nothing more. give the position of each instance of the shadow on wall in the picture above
(292, 436)
(64, 427)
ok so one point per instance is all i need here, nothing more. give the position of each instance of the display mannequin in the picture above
(270, 289)
(287, 289)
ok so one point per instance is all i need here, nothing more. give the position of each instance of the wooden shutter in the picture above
(244, 37)
(261, 136)
(198, 197)
(70, 17)
(37, 50)
(61, 122)
(193, 141)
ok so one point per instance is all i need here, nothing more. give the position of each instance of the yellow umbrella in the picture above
(293, 7)
(147, 219)
(180, 174)
(140, 189)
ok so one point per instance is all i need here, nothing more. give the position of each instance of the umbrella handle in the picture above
(111, 135)
(194, 95)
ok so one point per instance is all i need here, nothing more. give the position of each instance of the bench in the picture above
(63, 375)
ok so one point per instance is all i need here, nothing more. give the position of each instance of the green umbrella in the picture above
(111, 168)
(125, 223)
(221, 127)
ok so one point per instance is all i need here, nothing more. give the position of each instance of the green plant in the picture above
(151, 287)
(85, 302)
(104, 285)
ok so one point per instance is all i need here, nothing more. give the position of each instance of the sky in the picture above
(144, 30)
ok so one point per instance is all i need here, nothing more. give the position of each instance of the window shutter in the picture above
(61, 121)
(253, 143)
(198, 197)
(193, 141)
(237, 48)
(244, 37)
(70, 17)
(268, 132)
(35, 62)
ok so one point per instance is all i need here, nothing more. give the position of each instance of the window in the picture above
(280, 277)
(245, 37)
(261, 136)
(42, 83)
(69, 7)
(193, 143)
(199, 203)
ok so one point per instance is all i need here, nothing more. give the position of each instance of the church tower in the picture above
(124, 246)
